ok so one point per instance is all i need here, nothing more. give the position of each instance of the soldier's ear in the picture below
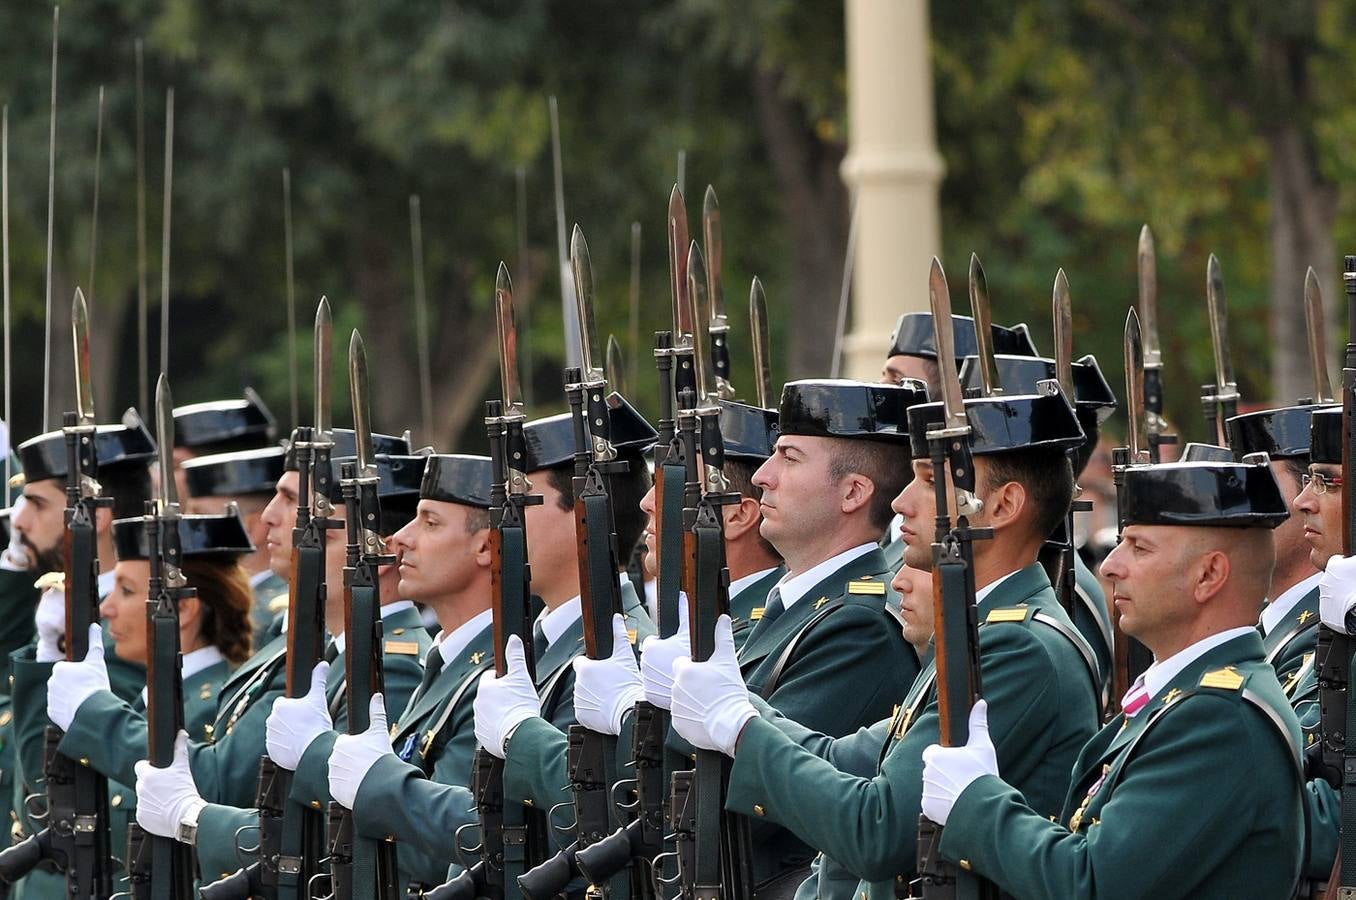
(1210, 574)
(857, 492)
(741, 517)
(1006, 504)
(480, 548)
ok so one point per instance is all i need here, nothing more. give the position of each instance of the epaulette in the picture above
(868, 586)
(278, 603)
(1008, 614)
(401, 648)
(1226, 679)
(51, 580)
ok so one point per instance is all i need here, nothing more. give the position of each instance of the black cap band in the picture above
(217, 536)
(1005, 423)
(126, 444)
(915, 336)
(1283, 433)
(1325, 436)
(550, 441)
(457, 478)
(234, 474)
(201, 425)
(850, 409)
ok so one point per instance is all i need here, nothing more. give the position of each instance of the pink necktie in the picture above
(1135, 699)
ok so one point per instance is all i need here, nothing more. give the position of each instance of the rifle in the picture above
(591, 756)
(953, 585)
(361, 868)
(76, 838)
(1154, 424)
(292, 836)
(712, 846)
(159, 867)
(512, 837)
(1335, 650)
(642, 839)
(1130, 657)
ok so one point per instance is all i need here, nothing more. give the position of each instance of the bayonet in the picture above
(615, 368)
(362, 412)
(167, 493)
(94, 217)
(939, 299)
(421, 318)
(762, 344)
(506, 324)
(143, 340)
(1063, 316)
(1318, 340)
(84, 391)
(165, 231)
(697, 297)
(582, 268)
(323, 340)
(678, 252)
(51, 206)
(1221, 401)
(291, 298)
(979, 307)
(1147, 265)
(1134, 386)
(717, 324)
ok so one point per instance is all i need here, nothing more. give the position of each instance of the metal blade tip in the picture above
(976, 267)
(1310, 279)
(1212, 266)
(162, 391)
(577, 242)
(78, 301)
(675, 197)
(695, 260)
(1146, 237)
(355, 345)
(709, 200)
(757, 286)
(936, 268)
(1061, 282)
(322, 311)
(1132, 320)
(502, 281)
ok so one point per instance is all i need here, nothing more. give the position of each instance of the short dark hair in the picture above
(628, 489)
(886, 466)
(1297, 466)
(476, 519)
(1047, 477)
(130, 488)
(739, 474)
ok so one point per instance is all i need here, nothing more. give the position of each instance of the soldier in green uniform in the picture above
(913, 354)
(214, 626)
(541, 713)
(829, 629)
(1093, 403)
(419, 774)
(749, 434)
(857, 798)
(1319, 508)
(220, 426)
(1289, 621)
(1160, 804)
(245, 478)
(111, 734)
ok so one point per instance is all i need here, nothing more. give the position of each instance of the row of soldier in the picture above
(821, 692)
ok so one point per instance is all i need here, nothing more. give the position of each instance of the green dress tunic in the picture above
(1198, 795)
(857, 799)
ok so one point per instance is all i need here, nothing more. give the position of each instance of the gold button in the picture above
(757, 809)
(965, 864)
(116, 801)
(315, 804)
(528, 802)
(84, 761)
(397, 631)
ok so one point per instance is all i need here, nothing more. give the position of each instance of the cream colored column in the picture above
(893, 166)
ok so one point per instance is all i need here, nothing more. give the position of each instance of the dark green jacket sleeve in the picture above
(216, 844)
(1186, 819)
(396, 799)
(870, 825)
(1324, 818)
(311, 780)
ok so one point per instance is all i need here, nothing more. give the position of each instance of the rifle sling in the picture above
(670, 546)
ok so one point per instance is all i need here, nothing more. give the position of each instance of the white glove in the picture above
(354, 755)
(947, 771)
(50, 619)
(502, 704)
(14, 558)
(606, 689)
(72, 683)
(657, 656)
(1337, 592)
(710, 701)
(168, 796)
(294, 722)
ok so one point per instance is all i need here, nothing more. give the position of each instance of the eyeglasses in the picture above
(1322, 483)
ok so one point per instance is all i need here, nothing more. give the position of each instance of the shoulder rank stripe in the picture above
(866, 586)
(756, 613)
(1010, 614)
(402, 648)
(1225, 679)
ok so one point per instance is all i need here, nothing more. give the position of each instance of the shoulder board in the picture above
(867, 586)
(631, 635)
(278, 603)
(402, 648)
(756, 613)
(1226, 679)
(1008, 614)
(51, 580)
